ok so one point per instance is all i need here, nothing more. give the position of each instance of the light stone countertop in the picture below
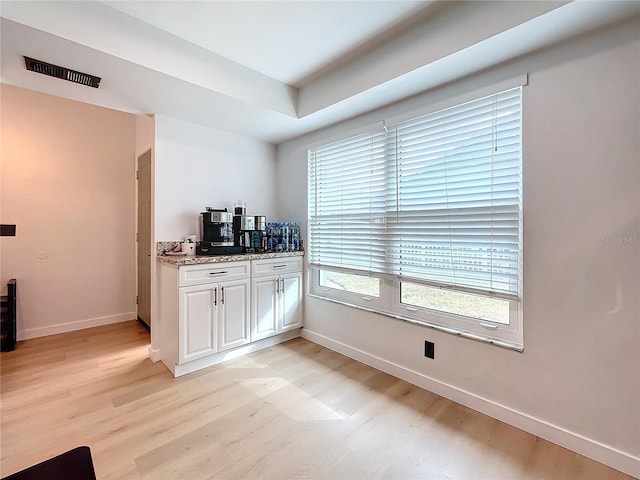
(179, 260)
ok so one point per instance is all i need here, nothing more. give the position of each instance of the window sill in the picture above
(449, 330)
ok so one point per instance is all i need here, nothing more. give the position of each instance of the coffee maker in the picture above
(243, 226)
(249, 232)
(217, 233)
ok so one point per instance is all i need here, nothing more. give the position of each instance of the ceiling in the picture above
(274, 70)
(285, 40)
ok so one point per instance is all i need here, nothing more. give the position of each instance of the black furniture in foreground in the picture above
(8, 318)
(75, 464)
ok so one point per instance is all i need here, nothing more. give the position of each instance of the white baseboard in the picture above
(154, 354)
(209, 361)
(72, 326)
(590, 448)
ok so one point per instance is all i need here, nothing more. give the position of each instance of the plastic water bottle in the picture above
(296, 237)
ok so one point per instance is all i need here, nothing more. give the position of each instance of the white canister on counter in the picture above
(188, 247)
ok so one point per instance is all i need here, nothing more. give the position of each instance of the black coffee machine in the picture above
(217, 233)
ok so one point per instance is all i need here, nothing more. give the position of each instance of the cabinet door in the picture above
(233, 314)
(290, 302)
(263, 314)
(196, 321)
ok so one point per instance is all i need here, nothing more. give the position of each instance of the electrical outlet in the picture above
(429, 349)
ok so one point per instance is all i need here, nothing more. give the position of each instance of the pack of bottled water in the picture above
(283, 237)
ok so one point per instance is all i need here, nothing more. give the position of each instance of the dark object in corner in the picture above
(75, 464)
(7, 230)
(8, 318)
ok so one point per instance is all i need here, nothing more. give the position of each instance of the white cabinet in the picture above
(264, 317)
(290, 300)
(211, 312)
(196, 328)
(212, 316)
(233, 314)
(276, 296)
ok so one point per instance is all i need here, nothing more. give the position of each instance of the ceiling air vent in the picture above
(61, 72)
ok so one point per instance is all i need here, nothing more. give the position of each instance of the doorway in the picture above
(143, 238)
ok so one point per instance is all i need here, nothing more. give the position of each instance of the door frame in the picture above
(137, 239)
(154, 347)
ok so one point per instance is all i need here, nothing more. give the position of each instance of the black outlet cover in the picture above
(429, 349)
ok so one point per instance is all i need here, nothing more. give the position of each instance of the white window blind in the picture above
(346, 203)
(457, 218)
(436, 199)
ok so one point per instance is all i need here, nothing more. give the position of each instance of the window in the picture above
(350, 283)
(469, 305)
(422, 220)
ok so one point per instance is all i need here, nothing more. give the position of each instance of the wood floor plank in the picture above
(292, 411)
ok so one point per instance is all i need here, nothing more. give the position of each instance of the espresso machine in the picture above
(217, 233)
(249, 232)
(243, 226)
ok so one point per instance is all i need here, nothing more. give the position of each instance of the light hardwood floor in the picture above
(293, 411)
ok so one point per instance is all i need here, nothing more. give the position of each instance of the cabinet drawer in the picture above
(276, 266)
(210, 273)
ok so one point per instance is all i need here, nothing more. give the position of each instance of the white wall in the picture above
(578, 380)
(197, 167)
(68, 183)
